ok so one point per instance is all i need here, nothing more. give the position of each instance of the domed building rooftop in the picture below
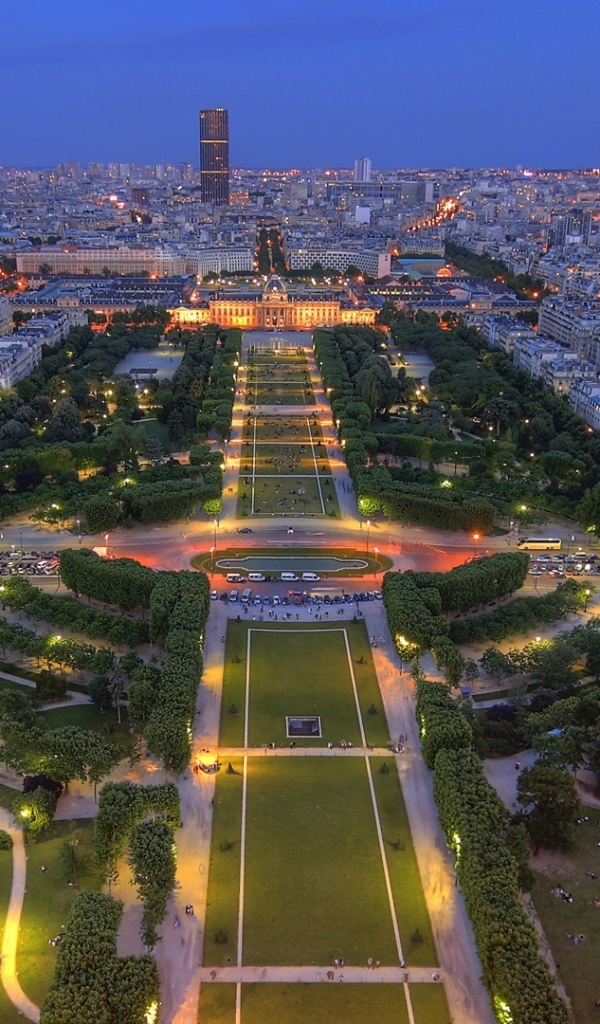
(275, 288)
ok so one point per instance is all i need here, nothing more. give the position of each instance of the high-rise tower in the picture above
(362, 169)
(214, 156)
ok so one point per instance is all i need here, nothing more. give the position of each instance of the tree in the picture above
(102, 513)
(35, 810)
(471, 671)
(16, 708)
(152, 857)
(550, 798)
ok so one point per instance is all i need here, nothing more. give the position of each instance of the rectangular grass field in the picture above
(314, 883)
(300, 670)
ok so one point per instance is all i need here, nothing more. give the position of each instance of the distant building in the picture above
(571, 228)
(140, 196)
(362, 169)
(6, 321)
(214, 157)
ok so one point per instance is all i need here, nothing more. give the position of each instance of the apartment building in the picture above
(119, 260)
(375, 264)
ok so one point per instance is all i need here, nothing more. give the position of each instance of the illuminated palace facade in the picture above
(274, 308)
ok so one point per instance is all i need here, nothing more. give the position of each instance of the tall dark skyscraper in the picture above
(214, 156)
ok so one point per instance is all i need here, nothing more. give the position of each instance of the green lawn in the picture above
(315, 888)
(323, 1004)
(429, 1004)
(217, 1004)
(154, 428)
(224, 870)
(287, 495)
(7, 796)
(409, 899)
(316, 681)
(283, 459)
(87, 716)
(280, 393)
(47, 902)
(294, 429)
(578, 964)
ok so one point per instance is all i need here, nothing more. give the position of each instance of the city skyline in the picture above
(451, 83)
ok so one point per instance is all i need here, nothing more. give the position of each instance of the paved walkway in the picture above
(8, 969)
(310, 975)
(74, 697)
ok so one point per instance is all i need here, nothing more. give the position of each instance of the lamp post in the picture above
(588, 594)
(106, 543)
(368, 529)
(78, 521)
(376, 570)
(476, 539)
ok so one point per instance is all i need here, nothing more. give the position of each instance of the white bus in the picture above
(539, 544)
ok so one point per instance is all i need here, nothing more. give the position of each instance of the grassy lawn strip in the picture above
(429, 1003)
(204, 561)
(87, 716)
(47, 902)
(409, 900)
(333, 1004)
(224, 871)
(369, 696)
(231, 730)
(578, 964)
(217, 1004)
(315, 887)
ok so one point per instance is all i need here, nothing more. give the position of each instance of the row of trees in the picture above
(520, 616)
(477, 829)
(53, 649)
(360, 385)
(91, 983)
(19, 595)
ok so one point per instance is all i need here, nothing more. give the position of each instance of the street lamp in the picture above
(78, 521)
(476, 539)
(368, 528)
(588, 594)
(376, 550)
(106, 542)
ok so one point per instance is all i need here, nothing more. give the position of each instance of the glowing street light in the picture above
(476, 539)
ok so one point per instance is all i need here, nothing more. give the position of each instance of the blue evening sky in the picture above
(308, 83)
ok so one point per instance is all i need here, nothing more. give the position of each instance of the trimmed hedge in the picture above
(120, 581)
(91, 983)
